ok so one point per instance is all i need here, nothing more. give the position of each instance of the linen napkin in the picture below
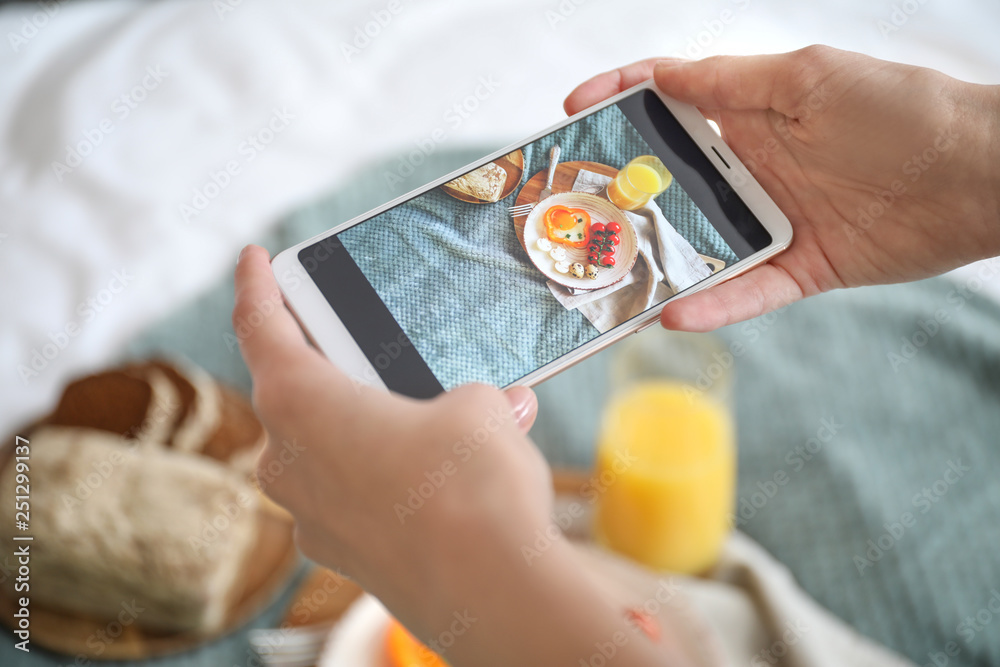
(747, 610)
(667, 264)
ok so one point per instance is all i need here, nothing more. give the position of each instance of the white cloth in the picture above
(666, 265)
(748, 610)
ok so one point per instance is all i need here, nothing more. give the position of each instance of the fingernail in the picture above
(242, 252)
(670, 62)
(522, 404)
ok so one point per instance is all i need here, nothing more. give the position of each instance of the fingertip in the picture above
(524, 406)
(604, 85)
(726, 82)
(263, 326)
(250, 259)
(254, 279)
(669, 76)
(688, 314)
(665, 64)
(590, 92)
(250, 250)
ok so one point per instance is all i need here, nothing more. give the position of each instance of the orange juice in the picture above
(637, 182)
(404, 650)
(666, 461)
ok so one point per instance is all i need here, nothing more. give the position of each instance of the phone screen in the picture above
(449, 287)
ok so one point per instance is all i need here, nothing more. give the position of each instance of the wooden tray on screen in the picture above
(512, 163)
(562, 182)
(267, 568)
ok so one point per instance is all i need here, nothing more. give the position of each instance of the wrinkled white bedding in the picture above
(141, 144)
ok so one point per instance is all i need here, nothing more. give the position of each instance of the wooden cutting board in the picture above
(563, 181)
(512, 163)
(268, 565)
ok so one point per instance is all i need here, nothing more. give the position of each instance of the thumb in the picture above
(731, 82)
(758, 291)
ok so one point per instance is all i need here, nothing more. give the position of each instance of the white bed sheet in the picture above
(213, 74)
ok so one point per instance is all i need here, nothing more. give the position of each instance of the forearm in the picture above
(543, 609)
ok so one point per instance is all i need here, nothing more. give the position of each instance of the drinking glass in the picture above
(666, 458)
(639, 181)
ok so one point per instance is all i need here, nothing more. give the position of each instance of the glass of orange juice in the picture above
(639, 181)
(666, 456)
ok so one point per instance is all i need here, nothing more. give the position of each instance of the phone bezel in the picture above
(328, 333)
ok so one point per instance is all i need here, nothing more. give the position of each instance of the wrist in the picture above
(983, 180)
(533, 600)
(993, 139)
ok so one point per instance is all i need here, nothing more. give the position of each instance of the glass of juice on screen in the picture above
(666, 454)
(639, 181)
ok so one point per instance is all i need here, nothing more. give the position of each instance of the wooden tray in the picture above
(562, 182)
(268, 565)
(321, 599)
(512, 163)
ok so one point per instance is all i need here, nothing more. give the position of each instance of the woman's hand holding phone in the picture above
(827, 133)
(887, 172)
(426, 503)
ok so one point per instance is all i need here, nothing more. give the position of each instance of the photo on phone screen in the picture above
(459, 290)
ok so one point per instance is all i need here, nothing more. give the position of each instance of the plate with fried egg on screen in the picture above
(580, 241)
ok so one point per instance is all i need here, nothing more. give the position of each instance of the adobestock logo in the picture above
(32, 25)
(900, 15)
(87, 310)
(224, 7)
(923, 501)
(454, 117)
(245, 324)
(712, 29)
(775, 653)
(99, 641)
(796, 458)
(915, 167)
(248, 151)
(463, 450)
(266, 473)
(211, 530)
(390, 352)
(121, 108)
(928, 328)
(366, 33)
(639, 621)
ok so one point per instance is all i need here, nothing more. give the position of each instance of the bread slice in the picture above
(485, 183)
(176, 404)
(199, 412)
(150, 528)
(140, 404)
(239, 436)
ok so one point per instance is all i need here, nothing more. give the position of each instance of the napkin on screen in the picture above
(667, 264)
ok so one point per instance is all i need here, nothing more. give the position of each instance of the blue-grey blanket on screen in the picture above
(439, 264)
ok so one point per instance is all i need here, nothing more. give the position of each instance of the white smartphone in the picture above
(484, 276)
